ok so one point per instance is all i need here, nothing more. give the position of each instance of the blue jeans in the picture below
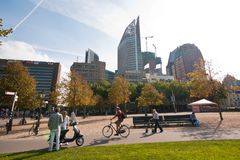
(157, 125)
(54, 133)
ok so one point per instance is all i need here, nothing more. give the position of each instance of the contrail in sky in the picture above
(58, 51)
(28, 15)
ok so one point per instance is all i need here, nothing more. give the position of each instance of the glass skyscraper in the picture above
(130, 62)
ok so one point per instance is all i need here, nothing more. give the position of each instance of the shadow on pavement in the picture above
(27, 135)
(103, 141)
(205, 132)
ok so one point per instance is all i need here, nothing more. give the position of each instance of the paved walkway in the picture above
(91, 127)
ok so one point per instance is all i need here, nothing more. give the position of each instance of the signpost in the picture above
(9, 124)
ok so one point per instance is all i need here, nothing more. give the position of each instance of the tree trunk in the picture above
(84, 112)
(220, 113)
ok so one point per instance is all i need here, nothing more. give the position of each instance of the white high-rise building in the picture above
(130, 62)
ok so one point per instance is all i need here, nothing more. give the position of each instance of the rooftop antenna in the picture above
(77, 58)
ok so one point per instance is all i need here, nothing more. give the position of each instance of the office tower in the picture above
(92, 70)
(46, 74)
(91, 56)
(130, 63)
(182, 60)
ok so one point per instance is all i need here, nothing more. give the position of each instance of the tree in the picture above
(87, 99)
(119, 92)
(54, 97)
(150, 97)
(71, 89)
(100, 90)
(199, 82)
(203, 84)
(77, 93)
(4, 32)
(17, 79)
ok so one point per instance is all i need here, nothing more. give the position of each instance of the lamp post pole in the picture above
(173, 101)
(42, 95)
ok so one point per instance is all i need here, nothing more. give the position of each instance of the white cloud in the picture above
(19, 50)
(22, 51)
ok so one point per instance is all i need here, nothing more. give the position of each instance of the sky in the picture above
(62, 30)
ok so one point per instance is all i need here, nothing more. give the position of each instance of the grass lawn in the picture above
(195, 150)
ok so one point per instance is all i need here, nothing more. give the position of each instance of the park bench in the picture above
(144, 120)
(164, 119)
(177, 119)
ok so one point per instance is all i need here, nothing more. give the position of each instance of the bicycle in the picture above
(107, 130)
(34, 129)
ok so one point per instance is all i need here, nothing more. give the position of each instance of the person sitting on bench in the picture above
(194, 120)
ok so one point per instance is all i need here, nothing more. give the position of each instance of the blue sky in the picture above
(61, 30)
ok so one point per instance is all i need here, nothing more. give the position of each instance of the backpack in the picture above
(124, 115)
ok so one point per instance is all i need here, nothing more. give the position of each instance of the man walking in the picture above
(156, 121)
(54, 125)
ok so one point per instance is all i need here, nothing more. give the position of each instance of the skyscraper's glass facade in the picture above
(129, 50)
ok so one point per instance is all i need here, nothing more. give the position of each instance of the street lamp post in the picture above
(173, 101)
(42, 95)
(9, 124)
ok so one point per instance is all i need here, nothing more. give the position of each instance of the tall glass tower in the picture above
(130, 63)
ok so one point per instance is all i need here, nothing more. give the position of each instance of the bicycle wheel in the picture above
(124, 131)
(107, 131)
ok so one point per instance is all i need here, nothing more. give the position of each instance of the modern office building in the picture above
(46, 74)
(92, 70)
(151, 63)
(182, 60)
(130, 62)
(91, 56)
(109, 75)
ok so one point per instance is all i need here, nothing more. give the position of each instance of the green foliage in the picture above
(135, 89)
(4, 32)
(191, 150)
(17, 79)
(101, 91)
(181, 90)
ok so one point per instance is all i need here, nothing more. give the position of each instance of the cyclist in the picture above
(120, 117)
